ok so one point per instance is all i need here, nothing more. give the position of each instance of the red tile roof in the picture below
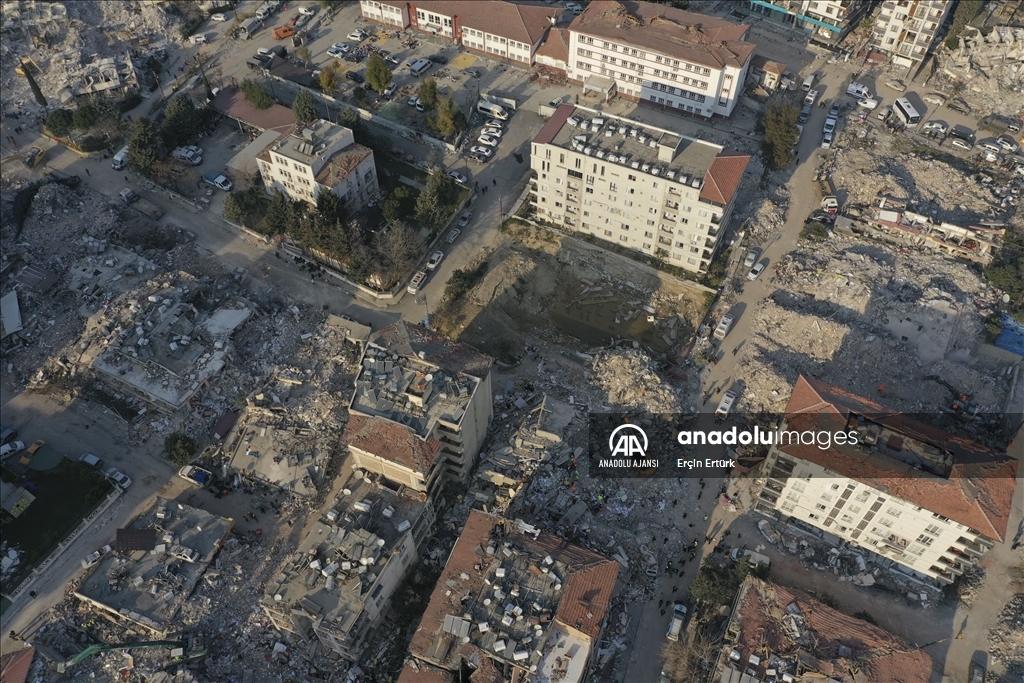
(978, 492)
(522, 22)
(391, 441)
(586, 593)
(697, 38)
(882, 657)
(554, 124)
(724, 177)
(556, 45)
(764, 64)
(232, 103)
(341, 164)
(15, 666)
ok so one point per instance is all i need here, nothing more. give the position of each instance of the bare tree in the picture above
(689, 659)
(396, 251)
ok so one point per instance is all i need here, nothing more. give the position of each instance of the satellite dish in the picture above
(347, 492)
(429, 377)
(380, 542)
(278, 597)
(358, 474)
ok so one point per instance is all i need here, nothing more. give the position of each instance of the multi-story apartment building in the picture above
(905, 29)
(829, 21)
(929, 501)
(338, 584)
(429, 399)
(320, 156)
(645, 188)
(658, 54)
(506, 30)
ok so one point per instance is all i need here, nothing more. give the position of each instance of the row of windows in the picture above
(674, 63)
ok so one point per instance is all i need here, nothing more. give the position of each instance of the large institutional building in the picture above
(645, 188)
(927, 500)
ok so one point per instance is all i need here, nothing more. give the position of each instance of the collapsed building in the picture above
(912, 498)
(891, 221)
(338, 585)
(156, 563)
(517, 601)
(421, 407)
(781, 634)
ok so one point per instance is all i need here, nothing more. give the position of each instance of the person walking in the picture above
(662, 612)
(87, 173)
(32, 594)
(126, 178)
(495, 181)
(675, 588)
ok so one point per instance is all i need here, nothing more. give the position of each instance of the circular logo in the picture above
(628, 440)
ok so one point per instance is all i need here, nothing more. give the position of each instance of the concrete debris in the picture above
(631, 382)
(1006, 637)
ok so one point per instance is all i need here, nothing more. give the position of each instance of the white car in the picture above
(755, 271)
(1007, 144)
(962, 144)
(936, 126)
(453, 235)
(826, 141)
(935, 98)
(481, 150)
(11, 448)
(725, 405)
(390, 90)
(337, 53)
(830, 125)
(867, 104)
(218, 17)
(308, 11)
(118, 477)
(195, 150)
(488, 140)
(357, 36)
(435, 259)
(751, 258)
(416, 282)
(413, 101)
(458, 177)
(494, 123)
(492, 131)
(464, 218)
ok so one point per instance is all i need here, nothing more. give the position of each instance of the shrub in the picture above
(180, 448)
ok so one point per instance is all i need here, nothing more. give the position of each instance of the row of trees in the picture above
(149, 142)
(445, 117)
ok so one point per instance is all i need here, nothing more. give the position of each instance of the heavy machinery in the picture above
(961, 405)
(188, 647)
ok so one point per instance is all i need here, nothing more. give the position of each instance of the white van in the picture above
(492, 109)
(198, 39)
(859, 91)
(808, 82)
(419, 66)
(120, 159)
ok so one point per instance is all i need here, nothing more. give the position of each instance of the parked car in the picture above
(935, 98)
(219, 17)
(458, 177)
(492, 131)
(336, 52)
(390, 90)
(438, 59)
(453, 235)
(413, 101)
(675, 624)
(196, 476)
(937, 127)
(833, 111)
(357, 36)
(118, 477)
(417, 281)
(725, 405)
(11, 448)
(755, 272)
(392, 61)
(962, 144)
(493, 123)
(867, 104)
(830, 125)
(309, 10)
(826, 140)
(883, 113)
(218, 180)
(36, 445)
(481, 151)
(488, 140)
(959, 105)
(435, 259)
(1007, 144)
(7, 433)
(353, 57)
(90, 460)
(472, 73)
(464, 218)
(419, 106)
(194, 149)
(355, 77)
(751, 258)
(896, 84)
(94, 557)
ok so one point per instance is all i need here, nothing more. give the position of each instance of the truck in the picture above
(282, 32)
(132, 199)
(999, 124)
(195, 475)
(217, 180)
(829, 201)
(675, 624)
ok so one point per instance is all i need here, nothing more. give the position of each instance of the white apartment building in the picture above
(320, 156)
(905, 29)
(646, 188)
(930, 502)
(389, 13)
(828, 21)
(682, 61)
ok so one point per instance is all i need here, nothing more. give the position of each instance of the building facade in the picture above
(906, 29)
(641, 187)
(686, 62)
(930, 502)
(317, 157)
(829, 21)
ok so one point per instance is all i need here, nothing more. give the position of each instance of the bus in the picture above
(906, 112)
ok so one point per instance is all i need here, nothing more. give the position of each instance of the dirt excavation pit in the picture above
(538, 282)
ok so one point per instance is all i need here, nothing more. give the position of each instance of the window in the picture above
(893, 512)
(925, 539)
(855, 509)
(648, 234)
(847, 518)
(863, 496)
(820, 506)
(933, 530)
(885, 521)
(607, 233)
(691, 261)
(788, 507)
(835, 487)
(631, 177)
(799, 486)
(814, 516)
(827, 497)
(623, 238)
(647, 245)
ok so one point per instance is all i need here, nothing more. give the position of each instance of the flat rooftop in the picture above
(149, 586)
(307, 143)
(267, 448)
(336, 564)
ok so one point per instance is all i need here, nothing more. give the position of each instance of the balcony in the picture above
(664, 228)
(953, 566)
(664, 240)
(706, 255)
(942, 574)
(768, 496)
(716, 219)
(669, 217)
(709, 243)
(774, 486)
(970, 547)
(672, 205)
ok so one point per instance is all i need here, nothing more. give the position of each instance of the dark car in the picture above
(353, 58)
(354, 77)
(438, 59)
(959, 105)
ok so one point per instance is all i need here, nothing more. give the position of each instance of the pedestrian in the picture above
(495, 181)
(87, 173)
(699, 494)
(660, 603)
(675, 588)
(32, 594)
(13, 636)
(684, 517)
(665, 541)
(126, 178)
(662, 612)
(705, 518)
(691, 525)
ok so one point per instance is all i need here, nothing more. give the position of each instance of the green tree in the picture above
(714, 584)
(85, 117)
(280, 215)
(257, 95)
(427, 93)
(181, 119)
(378, 75)
(304, 107)
(400, 205)
(330, 206)
(60, 122)
(179, 448)
(36, 92)
(779, 127)
(329, 78)
(449, 119)
(441, 185)
(432, 204)
(233, 209)
(964, 13)
(145, 146)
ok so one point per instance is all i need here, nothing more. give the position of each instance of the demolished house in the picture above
(516, 600)
(893, 222)
(156, 564)
(337, 586)
(781, 634)
(437, 390)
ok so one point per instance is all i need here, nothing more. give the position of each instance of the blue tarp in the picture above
(1012, 336)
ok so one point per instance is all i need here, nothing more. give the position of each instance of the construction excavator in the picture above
(188, 647)
(961, 405)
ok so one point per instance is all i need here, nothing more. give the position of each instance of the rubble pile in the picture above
(989, 63)
(847, 317)
(630, 381)
(765, 216)
(1006, 638)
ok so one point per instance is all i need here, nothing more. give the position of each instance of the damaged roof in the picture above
(411, 340)
(724, 177)
(978, 491)
(391, 441)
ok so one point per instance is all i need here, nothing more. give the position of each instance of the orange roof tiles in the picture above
(697, 38)
(390, 441)
(724, 176)
(231, 102)
(522, 22)
(556, 45)
(981, 485)
(15, 666)
(585, 598)
(341, 164)
(764, 64)
(881, 656)
(554, 124)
